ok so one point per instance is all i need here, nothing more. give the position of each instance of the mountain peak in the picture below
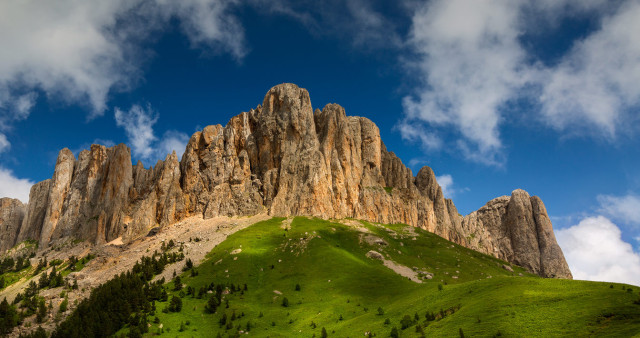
(280, 159)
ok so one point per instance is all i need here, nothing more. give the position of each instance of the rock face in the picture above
(12, 213)
(284, 159)
(516, 229)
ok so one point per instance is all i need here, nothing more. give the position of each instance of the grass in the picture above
(79, 265)
(13, 276)
(341, 289)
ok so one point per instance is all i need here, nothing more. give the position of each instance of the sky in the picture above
(494, 95)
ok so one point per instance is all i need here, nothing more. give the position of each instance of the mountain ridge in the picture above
(281, 158)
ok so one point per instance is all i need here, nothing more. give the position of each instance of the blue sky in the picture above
(493, 95)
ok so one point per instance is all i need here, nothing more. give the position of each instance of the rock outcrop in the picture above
(284, 159)
(12, 213)
(517, 229)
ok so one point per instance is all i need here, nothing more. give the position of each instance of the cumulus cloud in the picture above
(446, 183)
(138, 125)
(79, 51)
(471, 66)
(626, 208)
(594, 250)
(11, 186)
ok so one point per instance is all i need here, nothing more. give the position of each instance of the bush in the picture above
(285, 302)
(212, 305)
(406, 321)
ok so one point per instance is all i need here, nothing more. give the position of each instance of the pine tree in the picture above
(64, 304)
(8, 317)
(42, 311)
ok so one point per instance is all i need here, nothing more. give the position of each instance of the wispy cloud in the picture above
(446, 183)
(138, 124)
(4, 143)
(360, 22)
(594, 250)
(625, 209)
(11, 186)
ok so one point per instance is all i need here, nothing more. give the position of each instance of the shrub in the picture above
(406, 322)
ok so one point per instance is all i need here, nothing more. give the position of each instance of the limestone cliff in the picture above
(517, 229)
(284, 159)
(11, 216)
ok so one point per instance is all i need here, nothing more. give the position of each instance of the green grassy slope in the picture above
(341, 289)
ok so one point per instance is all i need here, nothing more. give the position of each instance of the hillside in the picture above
(329, 278)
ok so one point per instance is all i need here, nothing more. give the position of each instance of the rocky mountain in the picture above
(281, 158)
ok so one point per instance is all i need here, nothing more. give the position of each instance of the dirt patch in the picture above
(354, 224)
(117, 241)
(402, 270)
(286, 224)
(373, 240)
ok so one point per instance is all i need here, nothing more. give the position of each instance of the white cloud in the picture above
(4, 143)
(173, 141)
(357, 21)
(107, 143)
(446, 183)
(138, 124)
(594, 250)
(11, 186)
(596, 83)
(623, 208)
(471, 66)
(78, 51)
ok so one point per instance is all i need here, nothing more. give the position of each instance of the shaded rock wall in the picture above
(12, 213)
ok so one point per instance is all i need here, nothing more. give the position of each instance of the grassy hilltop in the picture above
(323, 271)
